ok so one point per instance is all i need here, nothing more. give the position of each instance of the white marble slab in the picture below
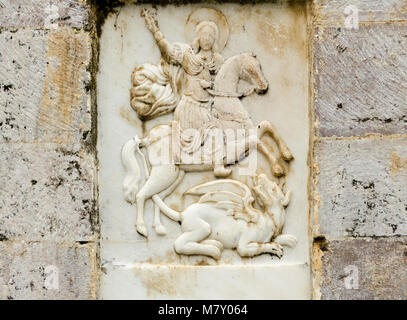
(287, 281)
(136, 268)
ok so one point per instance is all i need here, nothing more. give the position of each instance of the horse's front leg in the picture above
(266, 127)
(253, 143)
(275, 166)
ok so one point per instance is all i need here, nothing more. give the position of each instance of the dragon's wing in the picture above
(230, 195)
(226, 200)
(216, 196)
(230, 185)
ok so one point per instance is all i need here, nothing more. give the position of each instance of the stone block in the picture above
(361, 80)
(46, 192)
(365, 269)
(45, 86)
(362, 187)
(44, 270)
(332, 12)
(48, 14)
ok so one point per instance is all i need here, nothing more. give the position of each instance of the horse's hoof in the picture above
(278, 171)
(286, 155)
(160, 230)
(142, 230)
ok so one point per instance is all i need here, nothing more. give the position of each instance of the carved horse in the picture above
(164, 176)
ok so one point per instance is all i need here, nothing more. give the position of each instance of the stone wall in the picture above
(48, 211)
(360, 150)
(49, 237)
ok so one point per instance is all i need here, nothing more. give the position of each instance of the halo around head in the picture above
(208, 14)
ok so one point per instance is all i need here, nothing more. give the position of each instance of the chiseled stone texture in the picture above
(37, 13)
(361, 80)
(332, 12)
(44, 86)
(374, 268)
(43, 270)
(48, 214)
(46, 192)
(362, 187)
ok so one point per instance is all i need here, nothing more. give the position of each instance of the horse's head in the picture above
(251, 71)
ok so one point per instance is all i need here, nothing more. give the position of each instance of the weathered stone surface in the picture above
(43, 270)
(362, 187)
(375, 269)
(46, 192)
(44, 86)
(47, 204)
(361, 80)
(331, 12)
(34, 13)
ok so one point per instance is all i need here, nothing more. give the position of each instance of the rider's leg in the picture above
(218, 159)
(220, 170)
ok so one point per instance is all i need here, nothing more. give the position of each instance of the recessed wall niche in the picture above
(179, 218)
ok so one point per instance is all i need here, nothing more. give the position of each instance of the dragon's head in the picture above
(268, 193)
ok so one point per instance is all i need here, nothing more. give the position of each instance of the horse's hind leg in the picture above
(161, 177)
(188, 242)
(266, 126)
(158, 226)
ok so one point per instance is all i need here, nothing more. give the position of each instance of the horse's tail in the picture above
(132, 179)
(170, 213)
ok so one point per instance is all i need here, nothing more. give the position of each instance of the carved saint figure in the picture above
(200, 63)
